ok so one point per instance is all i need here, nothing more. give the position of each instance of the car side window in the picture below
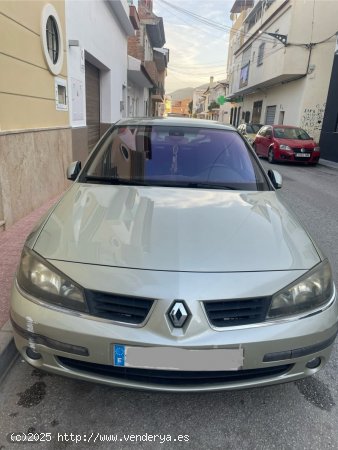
(268, 132)
(262, 131)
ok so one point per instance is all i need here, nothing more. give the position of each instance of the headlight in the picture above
(316, 149)
(311, 291)
(43, 281)
(285, 147)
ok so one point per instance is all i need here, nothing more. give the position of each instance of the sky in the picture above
(197, 51)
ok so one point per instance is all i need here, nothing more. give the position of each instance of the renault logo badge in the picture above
(178, 314)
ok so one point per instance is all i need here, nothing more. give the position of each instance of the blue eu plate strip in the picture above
(119, 355)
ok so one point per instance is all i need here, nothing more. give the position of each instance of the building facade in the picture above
(210, 102)
(139, 80)
(280, 61)
(97, 34)
(35, 138)
(181, 107)
(65, 77)
(149, 42)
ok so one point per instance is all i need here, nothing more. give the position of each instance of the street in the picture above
(291, 416)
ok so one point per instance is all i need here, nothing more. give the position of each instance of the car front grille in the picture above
(132, 310)
(228, 313)
(172, 377)
(299, 150)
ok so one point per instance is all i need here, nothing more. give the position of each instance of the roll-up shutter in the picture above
(92, 104)
(270, 115)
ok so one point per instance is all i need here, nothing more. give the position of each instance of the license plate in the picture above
(303, 155)
(171, 358)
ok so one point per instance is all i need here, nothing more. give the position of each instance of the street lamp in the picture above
(280, 37)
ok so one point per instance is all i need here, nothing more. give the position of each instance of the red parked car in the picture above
(286, 143)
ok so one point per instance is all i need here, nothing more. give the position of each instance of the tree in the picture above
(213, 105)
(190, 107)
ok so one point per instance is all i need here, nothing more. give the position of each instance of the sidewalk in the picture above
(325, 162)
(11, 243)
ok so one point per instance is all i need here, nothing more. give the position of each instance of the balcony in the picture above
(152, 70)
(157, 93)
(137, 73)
(155, 31)
(262, 61)
(161, 58)
(134, 17)
(276, 66)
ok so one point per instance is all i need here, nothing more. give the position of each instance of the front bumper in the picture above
(307, 338)
(290, 155)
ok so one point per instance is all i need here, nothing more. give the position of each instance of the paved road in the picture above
(302, 415)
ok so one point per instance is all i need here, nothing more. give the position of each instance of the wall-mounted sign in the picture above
(77, 100)
(82, 59)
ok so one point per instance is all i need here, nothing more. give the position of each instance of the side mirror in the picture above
(276, 178)
(73, 170)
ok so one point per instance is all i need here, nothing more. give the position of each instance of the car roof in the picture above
(284, 126)
(175, 121)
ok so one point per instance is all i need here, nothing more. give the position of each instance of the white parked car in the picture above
(172, 264)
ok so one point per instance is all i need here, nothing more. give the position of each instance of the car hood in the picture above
(175, 229)
(298, 143)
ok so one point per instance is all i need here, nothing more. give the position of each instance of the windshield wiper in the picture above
(115, 180)
(159, 183)
(202, 185)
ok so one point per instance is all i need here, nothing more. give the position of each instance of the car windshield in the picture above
(291, 133)
(176, 156)
(252, 128)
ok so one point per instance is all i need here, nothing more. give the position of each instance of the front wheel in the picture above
(271, 156)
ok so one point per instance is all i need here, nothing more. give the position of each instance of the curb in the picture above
(327, 163)
(8, 351)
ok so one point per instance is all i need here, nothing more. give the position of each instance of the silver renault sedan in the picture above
(172, 264)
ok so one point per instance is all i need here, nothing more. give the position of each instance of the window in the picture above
(260, 54)
(244, 76)
(262, 131)
(61, 97)
(268, 132)
(52, 39)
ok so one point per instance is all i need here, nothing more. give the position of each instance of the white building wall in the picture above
(302, 100)
(138, 97)
(103, 42)
(286, 98)
(302, 104)
(197, 99)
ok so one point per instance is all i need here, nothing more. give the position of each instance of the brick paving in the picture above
(11, 242)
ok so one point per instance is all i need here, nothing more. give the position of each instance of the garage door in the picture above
(270, 115)
(92, 104)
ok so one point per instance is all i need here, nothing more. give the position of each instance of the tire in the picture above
(271, 156)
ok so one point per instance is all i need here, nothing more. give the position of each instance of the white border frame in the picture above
(48, 11)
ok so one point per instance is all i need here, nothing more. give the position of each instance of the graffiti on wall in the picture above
(312, 120)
